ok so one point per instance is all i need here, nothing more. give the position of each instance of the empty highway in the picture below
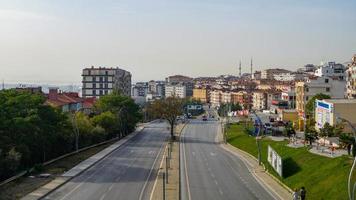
(210, 172)
(127, 173)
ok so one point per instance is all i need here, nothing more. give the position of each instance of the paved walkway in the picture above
(81, 167)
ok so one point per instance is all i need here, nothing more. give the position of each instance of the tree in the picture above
(310, 106)
(327, 130)
(289, 130)
(168, 109)
(108, 121)
(123, 107)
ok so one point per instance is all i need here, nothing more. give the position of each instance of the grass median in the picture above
(323, 178)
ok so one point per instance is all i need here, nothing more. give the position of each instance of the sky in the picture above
(52, 41)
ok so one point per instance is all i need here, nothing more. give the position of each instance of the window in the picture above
(94, 85)
(328, 89)
(101, 85)
(101, 92)
(106, 72)
(101, 79)
(106, 92)
(106, 85)
(94, 92)
(307, 98)
(93, 78)
(326, 80)
(106, 79)
(307, 89)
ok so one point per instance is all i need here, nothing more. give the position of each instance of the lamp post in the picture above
(351, 191)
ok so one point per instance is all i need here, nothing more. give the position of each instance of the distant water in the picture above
(64, 88)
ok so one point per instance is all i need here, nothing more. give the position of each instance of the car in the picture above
(204, 118)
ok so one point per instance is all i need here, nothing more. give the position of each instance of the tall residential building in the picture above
(177, 90)
(351, 79)
(182, 80)
(259, 100)
(140, 89)
(101, 81)
(215, 98)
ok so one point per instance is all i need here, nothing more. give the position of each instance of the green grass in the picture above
(323, 178)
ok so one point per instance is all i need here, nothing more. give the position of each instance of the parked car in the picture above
(205, 118)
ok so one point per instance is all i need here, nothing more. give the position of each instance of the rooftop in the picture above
(344, 101)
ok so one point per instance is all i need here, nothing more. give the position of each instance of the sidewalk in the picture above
(172, 187)
(81, 167)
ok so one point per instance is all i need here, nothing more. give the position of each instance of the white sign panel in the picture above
(275, 160)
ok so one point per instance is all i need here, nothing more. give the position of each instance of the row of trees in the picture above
(32, 132)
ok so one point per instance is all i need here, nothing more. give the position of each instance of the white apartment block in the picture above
(259, 100)
(225, 97)
(215, 98)
(102, 81)
(326, 85)
(351, 79)
(331, 69)
(175, 90)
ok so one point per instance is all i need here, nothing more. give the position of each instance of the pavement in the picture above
(126, 171)
(210, 171)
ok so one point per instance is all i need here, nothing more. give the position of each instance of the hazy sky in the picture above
(51, 41)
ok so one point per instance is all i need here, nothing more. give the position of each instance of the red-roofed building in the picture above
(66, 101)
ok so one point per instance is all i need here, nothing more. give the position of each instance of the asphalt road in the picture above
(127, 173)
(210, 172)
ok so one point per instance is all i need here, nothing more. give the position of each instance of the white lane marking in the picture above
(221, 192)
(111, 186)
(212, 153)
(185, 168)
(154, 185)
(102, 197)
(193, 153)
(216, 183)
(149, 175)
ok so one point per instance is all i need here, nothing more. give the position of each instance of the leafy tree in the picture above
(327, 130)
(168, 109)
(127, 111)
(289, 130)
(310, 106)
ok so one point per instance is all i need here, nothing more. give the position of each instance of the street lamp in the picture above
(350, 191)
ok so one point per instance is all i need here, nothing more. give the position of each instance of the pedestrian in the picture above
(295, 194)
(302, 193)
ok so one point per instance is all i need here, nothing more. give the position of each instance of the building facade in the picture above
(351, 79)
(270, 73)
(201, 94)
(102, 81)
(331, 69)
(177, 90)
(259, 100)
(328, 110)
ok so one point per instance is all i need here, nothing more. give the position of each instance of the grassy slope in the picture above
(324, 178)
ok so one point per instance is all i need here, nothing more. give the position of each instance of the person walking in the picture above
(295, 194)
(302, 193)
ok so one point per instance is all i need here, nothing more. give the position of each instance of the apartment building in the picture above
(101, 81)
(140, 89)
(201, 94)
(182, 81)
(177, 90)
(270, 73)
(306, 90)
(351, 79)
(259, 100)
(215, 98)
(331, 69)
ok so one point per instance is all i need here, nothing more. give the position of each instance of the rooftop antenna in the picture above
(240, 68)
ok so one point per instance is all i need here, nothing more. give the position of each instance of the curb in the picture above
(70, 178)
